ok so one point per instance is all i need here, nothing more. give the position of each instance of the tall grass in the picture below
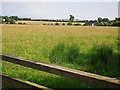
(101, 53)
(100, 59)
(62, 53)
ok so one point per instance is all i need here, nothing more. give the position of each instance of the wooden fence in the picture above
(15, 83)
(99, 80)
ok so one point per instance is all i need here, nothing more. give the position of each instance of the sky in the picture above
(60, 10)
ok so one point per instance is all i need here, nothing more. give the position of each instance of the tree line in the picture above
(99, 22)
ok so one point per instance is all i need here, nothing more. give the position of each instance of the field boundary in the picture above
(99, 80)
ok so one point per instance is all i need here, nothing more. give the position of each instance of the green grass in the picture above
(100, 59)
(76, 51)
(42, 78)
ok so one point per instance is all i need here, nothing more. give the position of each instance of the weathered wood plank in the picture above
(95, 79)
(16, 83)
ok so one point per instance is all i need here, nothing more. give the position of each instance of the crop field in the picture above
(93, 49)
(44, 23)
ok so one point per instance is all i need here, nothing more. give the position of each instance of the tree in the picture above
(14, 17)
(6, 19)
(12, 21)
(99, 19)
(71, 18)
(105, 20)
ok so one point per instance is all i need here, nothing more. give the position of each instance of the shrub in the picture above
(60, 53)
(56, 23)
(101, 54)
(24, 23)
(19, 23)
(63, 24)
(51, 23)
(69, 23)
(44, 23)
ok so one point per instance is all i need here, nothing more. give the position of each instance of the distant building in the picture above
(90, 24)
(3, 20)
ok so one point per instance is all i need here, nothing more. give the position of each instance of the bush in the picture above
(24, 23)
(63, 24)
(51, 23)
(19, 23)
(44, 23)
(56, 23)
(69, 23)
(101, 54)
(60, 53)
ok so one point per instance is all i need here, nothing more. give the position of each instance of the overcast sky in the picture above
(61, 10)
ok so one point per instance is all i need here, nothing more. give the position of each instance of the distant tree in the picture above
(12, 21)
(105, 20)
(6, 19)
(99, 19)
(14, 17)
(71, 18)
(117, 18)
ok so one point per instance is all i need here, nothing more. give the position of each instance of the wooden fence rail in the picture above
(101, 81)
(20, 84)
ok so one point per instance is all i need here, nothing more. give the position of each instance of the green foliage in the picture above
(99, 19)
(14, 17)
(72, 53)
(71, 18)
(105, 20)
(40, 77)
(6, 19)
(57, 54)
(60, 53)
(9, 20)
(101, 54)
(115, 23)
(12, 21)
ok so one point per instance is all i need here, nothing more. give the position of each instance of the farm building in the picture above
(90, 24)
